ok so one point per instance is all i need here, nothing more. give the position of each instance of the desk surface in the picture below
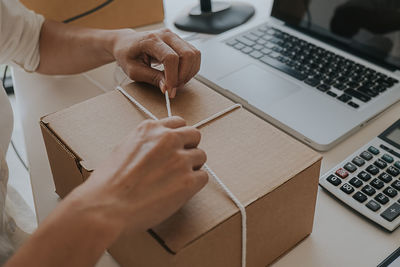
(340, 236)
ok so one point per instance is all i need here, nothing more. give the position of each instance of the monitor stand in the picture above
(215, 18)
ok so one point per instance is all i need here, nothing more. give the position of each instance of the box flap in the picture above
(249, 155)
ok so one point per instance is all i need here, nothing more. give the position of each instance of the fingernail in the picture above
(162, 86)
(173, 93)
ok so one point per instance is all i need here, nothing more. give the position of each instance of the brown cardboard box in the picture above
(104, 14)
(273, 175)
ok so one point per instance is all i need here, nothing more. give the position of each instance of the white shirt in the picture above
(19, 45)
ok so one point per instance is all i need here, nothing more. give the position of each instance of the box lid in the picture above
(249, 155)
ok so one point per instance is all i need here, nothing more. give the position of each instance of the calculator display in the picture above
(394, 136)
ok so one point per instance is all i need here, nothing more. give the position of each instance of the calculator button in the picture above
(392, 171)
(342, 173)
(387, 158)
(373, 150)
(396, 184)
(348, 189)
(359, 161)
(385, 177)
(390, 192)
(384, 147)
(392, 212)
(350, 167)
(373, 205)
(366, 155)
(380, 164)
(378, 184)
(333, 179)
(397, 164)
(364, 176)
(360, 197)
(381, 198)
(369, 190)
(372, 169)
(356, 182)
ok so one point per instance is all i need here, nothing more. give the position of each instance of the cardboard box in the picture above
(104, 14)
(273, 175)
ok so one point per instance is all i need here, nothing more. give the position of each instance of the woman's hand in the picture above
(135, 51)
(144, 181)
(148, 177)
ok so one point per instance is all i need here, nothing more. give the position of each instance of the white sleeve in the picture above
(19, 35)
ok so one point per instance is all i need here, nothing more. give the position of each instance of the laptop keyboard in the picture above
(336, 76)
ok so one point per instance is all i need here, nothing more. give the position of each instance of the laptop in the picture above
(318, 69)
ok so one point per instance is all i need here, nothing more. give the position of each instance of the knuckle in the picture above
(197, 53)
(170, 137)
(189, 54)
(152, 36)
(165, 30)
(188, 181)
(204, 177)
(179, 120)
(171, 57)
(146, 124)
(203, 155)
(155, 78)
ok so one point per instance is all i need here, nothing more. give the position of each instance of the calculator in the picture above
(369, 179)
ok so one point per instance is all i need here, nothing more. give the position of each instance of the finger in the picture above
(141, 72)
(200, 179)
(189, 56)
(173, 122)
(190, 136)
(163, 53)
(197, 156)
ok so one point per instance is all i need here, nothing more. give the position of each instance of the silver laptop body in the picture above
(312, 116)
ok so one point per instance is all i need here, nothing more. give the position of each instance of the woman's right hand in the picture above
(147, 178)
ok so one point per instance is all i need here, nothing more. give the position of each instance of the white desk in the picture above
(340, 236)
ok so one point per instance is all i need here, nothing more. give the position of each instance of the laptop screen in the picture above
(366, 28)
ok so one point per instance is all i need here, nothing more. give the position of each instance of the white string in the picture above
(216, 115)
(168, 104)
(242, 209)
(134, 101)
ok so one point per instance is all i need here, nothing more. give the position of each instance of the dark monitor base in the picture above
(223, 17)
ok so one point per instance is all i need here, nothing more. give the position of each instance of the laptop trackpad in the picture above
(257, 86)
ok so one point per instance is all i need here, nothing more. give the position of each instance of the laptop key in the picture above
(239, 46)
(344, 98)
(352, 104)
(256, 54)
(312, 82)
(357, 95)
(251, 37)
(332, 94)
(247, 50)
(324, 88)
(265, 51)
(282, 67)
(274, 55)
(245, 41)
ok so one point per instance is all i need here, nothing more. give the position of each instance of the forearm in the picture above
(68, 49)
(70, 236)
